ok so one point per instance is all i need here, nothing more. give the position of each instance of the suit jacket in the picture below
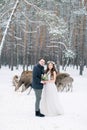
(38, 70)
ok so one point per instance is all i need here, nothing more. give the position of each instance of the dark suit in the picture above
(38, 70)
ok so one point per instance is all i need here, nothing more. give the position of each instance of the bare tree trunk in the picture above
(12, 46)
(81, 47)
(0, 40)
(25, 45)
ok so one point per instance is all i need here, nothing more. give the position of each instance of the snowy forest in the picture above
(53, 29)
(56, 31)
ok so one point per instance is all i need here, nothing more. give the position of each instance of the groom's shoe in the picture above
(39, 114)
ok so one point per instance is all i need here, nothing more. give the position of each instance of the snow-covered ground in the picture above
(17, 109)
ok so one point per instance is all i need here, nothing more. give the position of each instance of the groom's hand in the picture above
(43, 82)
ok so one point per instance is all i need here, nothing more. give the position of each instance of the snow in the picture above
(17, 109)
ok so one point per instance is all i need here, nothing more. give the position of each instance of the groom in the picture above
(37, 85)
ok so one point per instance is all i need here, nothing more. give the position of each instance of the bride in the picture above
(50, 105)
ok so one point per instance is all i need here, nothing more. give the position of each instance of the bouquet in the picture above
(44, 77)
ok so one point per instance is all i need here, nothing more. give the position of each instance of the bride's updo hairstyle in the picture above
(53, 69)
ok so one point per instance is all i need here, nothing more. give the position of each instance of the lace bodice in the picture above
(48, 76)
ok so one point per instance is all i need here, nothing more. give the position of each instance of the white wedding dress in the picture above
(49, 104)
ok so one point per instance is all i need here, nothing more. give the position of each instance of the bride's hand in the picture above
(43, 82)
(46, 81)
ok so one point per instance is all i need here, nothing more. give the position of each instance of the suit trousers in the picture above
(38, 93)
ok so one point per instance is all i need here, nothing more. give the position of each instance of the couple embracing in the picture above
(47, 102)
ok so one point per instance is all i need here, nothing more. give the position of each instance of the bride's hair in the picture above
(53, 69)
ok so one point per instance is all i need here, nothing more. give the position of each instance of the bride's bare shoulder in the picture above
(54, 72)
